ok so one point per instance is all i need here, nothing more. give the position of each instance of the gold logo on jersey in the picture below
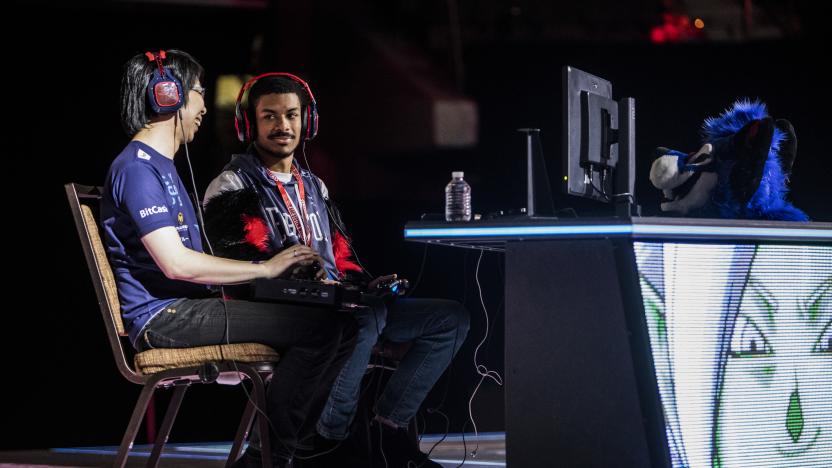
(181, 218)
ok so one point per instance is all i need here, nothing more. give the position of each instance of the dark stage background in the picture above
(62, 388)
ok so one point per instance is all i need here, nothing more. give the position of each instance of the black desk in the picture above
(629, 341)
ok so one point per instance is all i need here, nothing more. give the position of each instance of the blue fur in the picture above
(769, 201)
(733, 119)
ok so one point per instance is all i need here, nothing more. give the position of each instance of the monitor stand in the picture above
(539, 203)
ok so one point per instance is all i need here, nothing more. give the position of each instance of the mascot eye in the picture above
(824, 343)
(748, 340)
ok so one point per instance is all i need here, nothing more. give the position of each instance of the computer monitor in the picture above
(598, 141)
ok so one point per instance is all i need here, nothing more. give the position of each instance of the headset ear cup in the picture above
(304, 130)
(311, 121)
(239, 125)
(315, 121)
(164, 92)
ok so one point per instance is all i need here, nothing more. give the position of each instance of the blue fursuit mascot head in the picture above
(740, 172)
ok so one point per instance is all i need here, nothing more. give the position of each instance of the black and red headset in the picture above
(309, 114)
(164, 91)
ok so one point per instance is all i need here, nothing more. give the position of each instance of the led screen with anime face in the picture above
(742, 348)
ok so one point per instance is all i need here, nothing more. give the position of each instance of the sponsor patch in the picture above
(152, 210)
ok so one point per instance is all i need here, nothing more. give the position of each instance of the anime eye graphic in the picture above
(748, 340)
(824, 343)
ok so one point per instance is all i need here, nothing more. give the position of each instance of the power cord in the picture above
(607, 197)
(481, 369)
(437, 408)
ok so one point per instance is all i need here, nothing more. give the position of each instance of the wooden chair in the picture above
(176, 368)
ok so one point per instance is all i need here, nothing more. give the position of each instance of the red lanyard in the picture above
(301, 228)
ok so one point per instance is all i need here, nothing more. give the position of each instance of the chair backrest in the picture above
(80, 198)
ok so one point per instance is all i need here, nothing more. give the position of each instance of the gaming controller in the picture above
(391, 287)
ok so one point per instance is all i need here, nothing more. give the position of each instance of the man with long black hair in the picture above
(154, 244)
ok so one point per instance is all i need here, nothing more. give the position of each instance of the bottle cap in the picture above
(457, 174)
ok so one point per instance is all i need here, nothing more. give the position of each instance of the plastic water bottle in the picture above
(457, 198)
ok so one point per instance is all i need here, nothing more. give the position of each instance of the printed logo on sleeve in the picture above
(142, 155)
(152, 210)
(175, 199)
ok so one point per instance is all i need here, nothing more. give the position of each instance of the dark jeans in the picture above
(436, 327)
(314, 343)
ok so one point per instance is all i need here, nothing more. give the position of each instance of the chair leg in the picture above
(150, 421)
(242, 434)
(133, 425)
(259, 393)
(167, 424)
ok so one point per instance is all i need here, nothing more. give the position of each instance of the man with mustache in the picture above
(279, 114)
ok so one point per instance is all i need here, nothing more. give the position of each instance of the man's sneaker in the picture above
(397, 448)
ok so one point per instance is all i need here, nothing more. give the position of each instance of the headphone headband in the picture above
(242, 124)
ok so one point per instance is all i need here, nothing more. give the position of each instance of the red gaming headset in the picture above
(163, 91)
(310, 112)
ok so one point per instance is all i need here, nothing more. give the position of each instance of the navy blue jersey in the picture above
(246, 170)
(143, 193)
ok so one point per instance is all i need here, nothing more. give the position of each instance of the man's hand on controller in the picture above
(380, 280)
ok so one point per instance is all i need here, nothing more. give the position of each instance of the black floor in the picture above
(490, 452)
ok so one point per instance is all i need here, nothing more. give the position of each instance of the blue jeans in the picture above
(436, 328)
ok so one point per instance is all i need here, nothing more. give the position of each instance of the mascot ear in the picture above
(788, 147)
(751, 147)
